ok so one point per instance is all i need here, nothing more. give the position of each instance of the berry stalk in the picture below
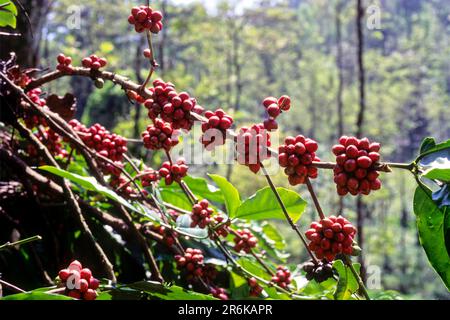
(286, 214)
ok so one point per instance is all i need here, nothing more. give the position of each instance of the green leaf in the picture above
(430, 223)
(429, 146)
(89, 183)
(156, 290)
(442, 174)
(36, 295)
(229, 192)
(264, 205)
(253, 267)
(347, 284)
(199, 186)
(8, 14)
(272, 233)
(177, 198)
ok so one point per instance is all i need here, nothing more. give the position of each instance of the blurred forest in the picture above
(232, 56)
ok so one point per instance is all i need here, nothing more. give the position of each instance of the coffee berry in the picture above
(219, 293)
(282, 277)
(252, 146)
(331, 236)
(244, 240)
(171, 106)
(145, 18)
(64, 63)
(218, 123)
(173, 172)
(201, 214)
(319, 272)
(93, 62)
(79, 282)
(255, 288)
(191, 262)
(296, 155)
(159, 135)
(355, 171)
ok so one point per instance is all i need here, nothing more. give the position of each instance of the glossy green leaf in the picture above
(430, 223)
(36, 295)
(8, 14)
(89, 183)
(347, 284)
(199, 186)
(264, 205)
(229, 192)
(438, 173)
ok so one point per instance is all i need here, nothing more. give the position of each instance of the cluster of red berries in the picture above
(52, 141)
(159, 135)
(64, 63)
(331, 236)
(201, 214)
(222, 228)
(171, 106)
(79, 282)
(355, 171)
(274, 107)
(217, 120)
(173, 172)
(296, 156)
(219, 293)
(255, 288)
(94, 62)
(148, 176)
(145, 18)
(106, 144)
(244, 240)
(282, 277)
(210, 272)
(252, 146)
(31, 120)
(192, 262)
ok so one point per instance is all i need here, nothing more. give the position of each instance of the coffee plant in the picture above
(197, 238)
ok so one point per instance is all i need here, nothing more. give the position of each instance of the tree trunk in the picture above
(27, 46)
(360, 124)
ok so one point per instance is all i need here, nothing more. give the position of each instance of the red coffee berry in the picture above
(221, 227)
(145, 18)
(331, 236)
(173, 172)
(160, 135)
(215, 129)
(93, 62)
(78, 281)
(274, 107)
(296, 156)
(64, 274)
(168, 236)
(282, 277)
(252, 146)
(171, 106)
(74, 294)
(255, 288)
(106, 144)
(64, 63)
(219, 293)
(191, 263)
(355, 171)
(148, 176)
(90, 294)
(147, 53)
(244, 240)
(201, 214)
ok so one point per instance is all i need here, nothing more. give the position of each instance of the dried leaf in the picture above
(64, 106)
